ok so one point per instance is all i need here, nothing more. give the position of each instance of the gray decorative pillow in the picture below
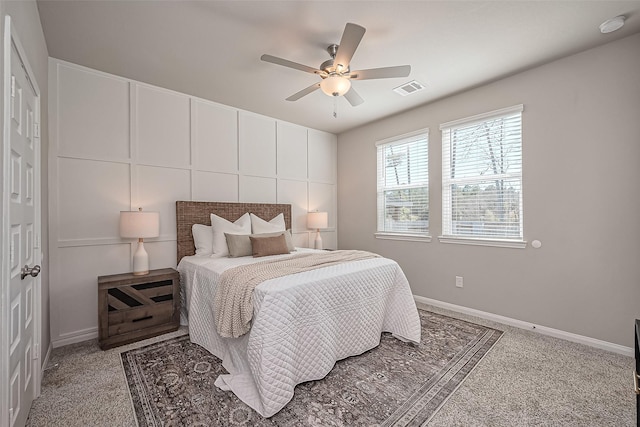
(263, 246)
(240, 244)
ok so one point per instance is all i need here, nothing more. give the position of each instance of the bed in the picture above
(302, 323)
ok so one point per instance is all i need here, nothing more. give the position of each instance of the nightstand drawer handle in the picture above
(635, 382)
(142, 318)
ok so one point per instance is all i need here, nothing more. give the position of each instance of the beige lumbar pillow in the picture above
(240, 244)
(263, 246)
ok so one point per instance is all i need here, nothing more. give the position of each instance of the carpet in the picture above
(394, 384)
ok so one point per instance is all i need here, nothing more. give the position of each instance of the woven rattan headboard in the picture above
(189, 213)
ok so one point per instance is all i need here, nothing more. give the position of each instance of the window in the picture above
(403, 186)
(482, 177)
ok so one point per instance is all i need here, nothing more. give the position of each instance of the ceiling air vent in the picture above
(409, 88)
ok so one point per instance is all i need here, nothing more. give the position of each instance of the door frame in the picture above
(10, 37)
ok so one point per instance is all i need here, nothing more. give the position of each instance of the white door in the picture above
(21, 222)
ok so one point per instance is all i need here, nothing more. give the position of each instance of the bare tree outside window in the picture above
(403, 192)
(483, 185)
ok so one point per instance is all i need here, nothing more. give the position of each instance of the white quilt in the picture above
(302, 323)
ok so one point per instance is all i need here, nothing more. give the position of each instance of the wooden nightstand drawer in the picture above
(132, 308)
(139, 318)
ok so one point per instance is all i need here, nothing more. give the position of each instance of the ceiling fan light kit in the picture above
(336, 73)
(335, 85)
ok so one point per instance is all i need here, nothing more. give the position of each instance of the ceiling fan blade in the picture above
(353, 97)
(289, 64)
(381, 73)
(303, 92)
(350, 40)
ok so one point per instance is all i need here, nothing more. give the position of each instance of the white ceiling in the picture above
(212, 49)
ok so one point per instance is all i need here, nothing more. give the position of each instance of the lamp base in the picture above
(318, 241)
(140, 260)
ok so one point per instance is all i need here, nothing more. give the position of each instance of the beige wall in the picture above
(581, 159)
(26, 21)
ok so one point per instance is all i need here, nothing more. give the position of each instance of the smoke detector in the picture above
(611, 25)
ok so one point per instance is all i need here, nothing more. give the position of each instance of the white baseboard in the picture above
(581, 339)
(74, 337)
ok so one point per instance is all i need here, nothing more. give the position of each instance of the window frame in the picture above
(380, 189)
(447, 221)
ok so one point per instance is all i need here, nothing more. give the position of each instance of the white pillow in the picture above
(220, 226)
(259, 225)
(202, 239)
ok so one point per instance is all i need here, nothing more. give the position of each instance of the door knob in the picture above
(26, 271)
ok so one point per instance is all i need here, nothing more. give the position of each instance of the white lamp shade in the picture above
(335, 85)
(138, 224)
(317, 220)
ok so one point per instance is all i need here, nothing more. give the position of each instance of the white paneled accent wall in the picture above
(117, 144)
(161, 127)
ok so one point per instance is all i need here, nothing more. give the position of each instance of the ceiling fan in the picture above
(335, 73)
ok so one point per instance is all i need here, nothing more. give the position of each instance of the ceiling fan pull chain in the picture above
(335, 107)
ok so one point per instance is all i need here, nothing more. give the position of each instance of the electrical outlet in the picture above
(459, 282)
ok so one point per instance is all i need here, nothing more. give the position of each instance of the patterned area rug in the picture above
(394, 384)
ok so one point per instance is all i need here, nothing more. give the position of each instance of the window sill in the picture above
(516, 244)
(402, 236)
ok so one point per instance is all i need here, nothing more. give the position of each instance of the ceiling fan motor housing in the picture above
(328, 66)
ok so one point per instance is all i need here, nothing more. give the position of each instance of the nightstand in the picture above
(131, 308)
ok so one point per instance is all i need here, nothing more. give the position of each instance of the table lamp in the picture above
(138, 224)
(317, 220)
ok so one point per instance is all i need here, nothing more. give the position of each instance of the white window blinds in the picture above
(482, 176)
(403, 184)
